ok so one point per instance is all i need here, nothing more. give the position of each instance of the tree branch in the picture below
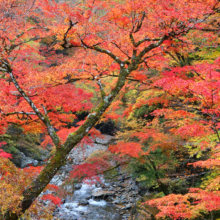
(101, 50)
(71, 24)
(15, 113)
(137, 44)
(43, 118)
(152, 46)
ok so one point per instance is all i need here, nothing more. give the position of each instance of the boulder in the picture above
(83, 202)
(88, 197)
(25, 161)
(77, 155)
(78, 186)
(107, 139)
(102, 194)
(25, 148)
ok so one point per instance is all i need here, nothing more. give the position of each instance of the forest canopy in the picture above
(151, 67)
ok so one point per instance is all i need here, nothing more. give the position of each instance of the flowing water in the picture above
(94, 210)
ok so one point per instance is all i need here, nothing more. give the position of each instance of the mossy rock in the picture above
(24, 146)
(16, 154)
(30, 146)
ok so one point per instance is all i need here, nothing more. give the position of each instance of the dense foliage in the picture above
(151, 66)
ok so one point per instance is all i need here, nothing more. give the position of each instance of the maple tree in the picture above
(110, 43)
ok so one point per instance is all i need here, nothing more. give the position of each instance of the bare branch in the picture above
(101, 50)
(152, 46)
(139, 23)
(71, 24)
(15, 113)
(43, 118)
(137, 44)
(121, 50)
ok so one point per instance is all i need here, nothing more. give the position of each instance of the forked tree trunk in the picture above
(59, 159)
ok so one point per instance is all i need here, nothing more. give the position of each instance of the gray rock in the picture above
(83, 202)
(107, 139)
(121, 178)
(134, 188)
(88, 197)
(135, 192)
(25, 161)
(128, 206)
(82, 213)
(123, 197)
(98, 194)
(116, 216)
(78, 155)
(116, 201)
(78, 186)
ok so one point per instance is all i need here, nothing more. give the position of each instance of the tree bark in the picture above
(62, 151)
(59, 159)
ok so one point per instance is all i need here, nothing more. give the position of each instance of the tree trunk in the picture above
(59, 159)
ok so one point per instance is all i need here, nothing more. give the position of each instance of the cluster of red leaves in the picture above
(54, 199)
(197, 95)
(33, 171)
(3, 153)
(131, 149)
(52, 187)
(53, 91)
(90, 171)
(188, 206)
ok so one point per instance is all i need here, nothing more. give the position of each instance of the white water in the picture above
(95, 210)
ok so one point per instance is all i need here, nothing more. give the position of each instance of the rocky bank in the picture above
(112, 199)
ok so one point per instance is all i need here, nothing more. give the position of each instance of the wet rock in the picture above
(78, 186)
(83, 202)
(102, 194)
(123, 197)
(69, 207)
(126, 216)
(121, 178)
(82, 213)
(135, 192)
(123, 208)
(88, 197)
(116, 216)
(128, 206)
(134, 188)
(116, 202)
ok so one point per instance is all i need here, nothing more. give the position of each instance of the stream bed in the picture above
(82, 206)
(110, 200)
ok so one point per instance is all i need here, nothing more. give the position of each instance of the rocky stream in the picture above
(112, 199)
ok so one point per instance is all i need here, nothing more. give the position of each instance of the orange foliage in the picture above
(105, 41)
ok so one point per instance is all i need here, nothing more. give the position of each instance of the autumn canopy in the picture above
(152, 67)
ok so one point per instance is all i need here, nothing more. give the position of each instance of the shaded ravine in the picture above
(111, 200)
